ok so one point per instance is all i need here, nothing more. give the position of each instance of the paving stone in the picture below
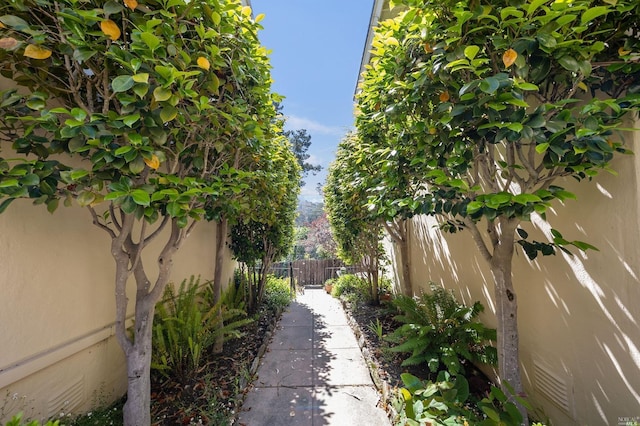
(313, 373)
(335, 367)
(286, 368)
(335, 337)
(292, 337)
(277, 407)
(297, 314)
(347, 405)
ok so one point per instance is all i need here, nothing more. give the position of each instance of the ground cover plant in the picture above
(440, 332)
(417, 393)
(448, 402)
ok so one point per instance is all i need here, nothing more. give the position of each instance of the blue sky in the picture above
(316, 49)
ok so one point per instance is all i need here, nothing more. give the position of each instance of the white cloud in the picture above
(310, 193)
(294, 123)
(314, 159)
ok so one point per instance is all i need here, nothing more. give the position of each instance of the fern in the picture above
(438, 331)
(187, 324)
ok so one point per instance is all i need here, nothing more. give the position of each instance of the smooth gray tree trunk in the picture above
(397, 230)
(407, 287)
(507, 310)
(137, 349)
(221, 239)
(137, 408)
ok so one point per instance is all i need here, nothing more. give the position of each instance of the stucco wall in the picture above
(578, 315)
(57, 350)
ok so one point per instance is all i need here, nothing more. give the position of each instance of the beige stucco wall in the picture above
(578, 315)
(57, 350)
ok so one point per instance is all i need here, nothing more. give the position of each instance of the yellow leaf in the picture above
(428, 48)
(259, 17)
(622, 51)
(131, 4)
(583, 86)
(36, 52)
(432, 130)
(203, 63)
(153, 163)
(405, 394)
(8, 43)
(509, 57)
(246, 11)
(444, 96)
(2, 25)
(110, 28)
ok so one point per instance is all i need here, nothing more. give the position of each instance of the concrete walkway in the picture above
(313, 372)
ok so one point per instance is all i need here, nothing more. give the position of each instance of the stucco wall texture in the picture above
(58, 353)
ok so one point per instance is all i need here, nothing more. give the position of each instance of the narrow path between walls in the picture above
(313, 373)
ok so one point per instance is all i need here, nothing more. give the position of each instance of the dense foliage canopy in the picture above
(476, 111)
(152, 114)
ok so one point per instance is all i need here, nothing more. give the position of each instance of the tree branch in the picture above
(157, 231)
(527, 165)
(114, 219)
(165, 261)
(96, 222)
(479, 240)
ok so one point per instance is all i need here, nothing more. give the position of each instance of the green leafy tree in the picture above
(394, 190)
(137, 111)
(358, 233)
(495, 104)
(300, 142)
(266, 231)
(308, 211)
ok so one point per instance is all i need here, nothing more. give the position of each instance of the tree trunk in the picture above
(407, 285)
(397, 230)
(221, 239)
(375, 282)
(249, 288)
(137, 349)
(137, 408)
(267, 260)
(507, 311)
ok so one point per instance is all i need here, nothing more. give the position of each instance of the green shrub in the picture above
(352, 288)
(277, 294)
(385, 285)
(440, 403)
(17, 421)
(499, 408)
(447, 402)
(186, 324)
(233, 297)
(437, 330)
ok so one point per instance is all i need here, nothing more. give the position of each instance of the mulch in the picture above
(387, 365)
(214, 394)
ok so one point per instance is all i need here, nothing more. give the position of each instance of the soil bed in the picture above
(388, 365)
(215, 394)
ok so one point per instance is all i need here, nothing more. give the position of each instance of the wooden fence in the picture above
(310, 271)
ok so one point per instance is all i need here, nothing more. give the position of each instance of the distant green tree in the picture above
(308, 211)
(357, 231)
(266, 231)
(300, 143)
